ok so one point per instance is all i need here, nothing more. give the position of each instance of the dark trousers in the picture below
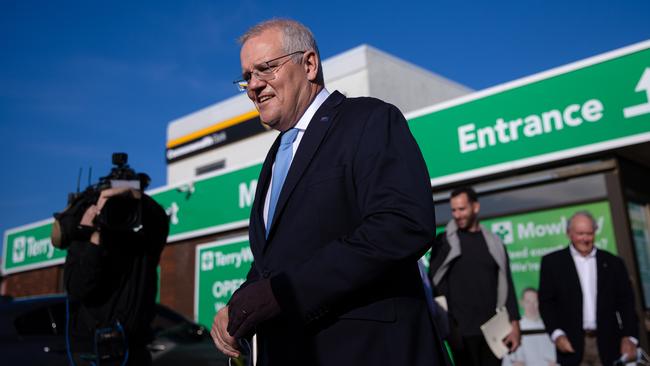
(590, 356)
(474, 351)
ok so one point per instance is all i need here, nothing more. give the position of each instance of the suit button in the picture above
(266, 274)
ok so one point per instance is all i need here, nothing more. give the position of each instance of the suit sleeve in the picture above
(251, 277)
(511, 300)
(434, 260)
(397, 225)
(548, 297)
(625, 301)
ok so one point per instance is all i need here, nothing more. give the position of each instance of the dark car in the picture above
(32, 332)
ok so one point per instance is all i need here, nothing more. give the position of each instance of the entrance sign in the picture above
(593, 105)
(642, 86)
(221, 267)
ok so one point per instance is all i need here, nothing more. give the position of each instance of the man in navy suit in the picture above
(336, 240)
(586, 300)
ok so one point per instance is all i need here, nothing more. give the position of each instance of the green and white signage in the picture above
(593, 105)
(209, 205)
(30, 247)
(530, 236)
(221, 267)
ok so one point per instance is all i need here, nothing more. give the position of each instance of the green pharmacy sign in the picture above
(221, 267)
(29, 247)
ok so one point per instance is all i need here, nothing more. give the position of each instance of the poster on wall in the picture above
(221, 267)
(528, 237)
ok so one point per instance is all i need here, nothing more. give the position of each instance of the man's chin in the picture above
(271, 123)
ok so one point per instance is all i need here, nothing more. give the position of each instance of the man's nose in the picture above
(256, 83)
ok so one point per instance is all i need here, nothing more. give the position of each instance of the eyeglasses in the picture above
(263, 71)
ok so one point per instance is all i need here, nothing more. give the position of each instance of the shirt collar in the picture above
(303, 122)
(575, 253)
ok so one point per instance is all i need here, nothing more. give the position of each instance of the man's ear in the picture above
(310, 64)
(476, 207)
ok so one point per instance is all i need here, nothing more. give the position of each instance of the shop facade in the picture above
(537, 150)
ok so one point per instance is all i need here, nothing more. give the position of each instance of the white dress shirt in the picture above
(586, 268)
(301, 125)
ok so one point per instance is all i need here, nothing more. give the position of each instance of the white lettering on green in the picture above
(247, 193)
(471, 138)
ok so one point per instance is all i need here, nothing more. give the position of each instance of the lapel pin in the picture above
(324, 119)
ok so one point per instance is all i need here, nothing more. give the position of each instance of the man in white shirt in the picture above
(586, 300)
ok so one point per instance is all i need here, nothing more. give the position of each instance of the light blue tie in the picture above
(280, 170)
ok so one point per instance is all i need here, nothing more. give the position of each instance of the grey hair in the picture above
(295, 37)
(586, 214)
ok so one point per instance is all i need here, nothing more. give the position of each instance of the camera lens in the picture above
(120, 213)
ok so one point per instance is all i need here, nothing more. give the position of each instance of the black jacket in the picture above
(116, 281)
(354, 215)
(439, 253)
(560, 304)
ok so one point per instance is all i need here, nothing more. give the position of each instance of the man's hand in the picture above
(224, 342)
(249, 306)
(564, 345)
(628, 349)
(513, 340)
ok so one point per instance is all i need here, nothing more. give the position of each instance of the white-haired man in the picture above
(586, 300)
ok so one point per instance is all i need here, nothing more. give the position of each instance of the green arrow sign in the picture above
(592, 105)
(220, 269)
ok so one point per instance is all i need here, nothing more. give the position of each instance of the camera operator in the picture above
(114, 234)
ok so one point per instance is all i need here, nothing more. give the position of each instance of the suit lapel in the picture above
(316, 131)
(573, 280)
(601, 276)
(258, 229)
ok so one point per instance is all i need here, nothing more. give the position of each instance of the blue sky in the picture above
(82, 79)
